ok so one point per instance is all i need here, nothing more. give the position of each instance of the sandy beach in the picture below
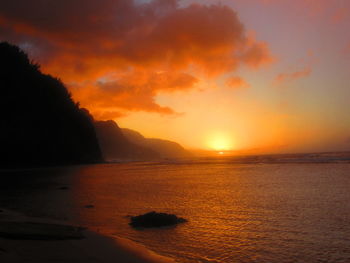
(92, 248)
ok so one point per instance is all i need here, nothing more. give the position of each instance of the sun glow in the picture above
(220, 142)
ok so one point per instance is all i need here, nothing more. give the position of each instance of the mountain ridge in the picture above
(166, 148)
(126, 144)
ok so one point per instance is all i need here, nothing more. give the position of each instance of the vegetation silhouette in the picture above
(40, 123)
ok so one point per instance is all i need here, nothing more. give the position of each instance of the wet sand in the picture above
(66, 246)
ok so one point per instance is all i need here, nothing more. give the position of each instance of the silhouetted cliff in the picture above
(119, 144)
(115, 146)
(40, 123)
(165, 148)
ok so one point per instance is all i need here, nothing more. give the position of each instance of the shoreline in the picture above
(93, 248)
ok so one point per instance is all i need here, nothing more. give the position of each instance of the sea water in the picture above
(251, 209)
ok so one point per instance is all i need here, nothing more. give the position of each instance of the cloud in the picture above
(237, 82)
(136, 91)
(340, 15)
(283, 78)
(117, 55)
(107, 115)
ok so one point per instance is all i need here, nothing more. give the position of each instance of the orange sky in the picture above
(224, 75)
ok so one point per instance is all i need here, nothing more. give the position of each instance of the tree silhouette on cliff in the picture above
(40, 124)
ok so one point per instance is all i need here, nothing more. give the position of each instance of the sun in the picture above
(220, 142)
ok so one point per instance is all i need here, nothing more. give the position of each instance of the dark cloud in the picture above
(137, 49)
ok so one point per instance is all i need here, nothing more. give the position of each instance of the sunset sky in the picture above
(260, 75)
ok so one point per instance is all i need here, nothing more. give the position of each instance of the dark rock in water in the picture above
(154, 219)
(89, 206)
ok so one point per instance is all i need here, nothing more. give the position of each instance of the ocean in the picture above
(269, 208)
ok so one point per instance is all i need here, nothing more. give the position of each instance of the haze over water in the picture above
(237, 211)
